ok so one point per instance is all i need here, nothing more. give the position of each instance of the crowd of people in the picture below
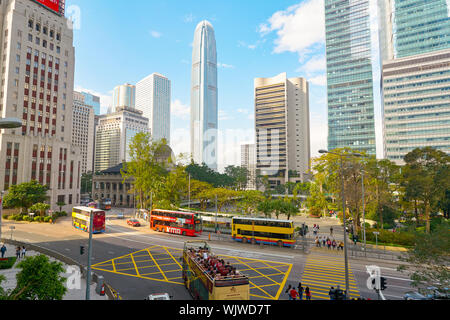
(217, 268)
(331, 243)
(297, 294)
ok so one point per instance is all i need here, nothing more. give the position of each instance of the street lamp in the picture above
(341, 156)
(7, 123)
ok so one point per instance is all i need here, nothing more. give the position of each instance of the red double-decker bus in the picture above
(183, 223)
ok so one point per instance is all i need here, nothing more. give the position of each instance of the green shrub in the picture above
(19, 218)
(385, 236)
(37, 219)
(6, 217)
(47, 219)
(41, 219)
(8, 263)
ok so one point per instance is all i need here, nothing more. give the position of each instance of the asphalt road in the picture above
(120, 241)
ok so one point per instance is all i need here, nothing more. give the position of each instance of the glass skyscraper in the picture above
(124, 96)
(204, 99)
(351, 119)
(415, 38)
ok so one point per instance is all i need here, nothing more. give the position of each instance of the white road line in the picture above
(182, 242)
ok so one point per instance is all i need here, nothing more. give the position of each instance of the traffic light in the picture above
(81, 250)
(383, 283)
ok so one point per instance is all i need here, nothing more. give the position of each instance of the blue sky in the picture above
(120, 42)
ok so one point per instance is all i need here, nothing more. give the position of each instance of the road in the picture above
(137, 262)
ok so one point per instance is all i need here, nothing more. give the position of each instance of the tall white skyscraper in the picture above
(124, 96)
(204, 99)
(153, 99)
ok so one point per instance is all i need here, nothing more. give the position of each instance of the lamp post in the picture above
(341, 156)
(88, 277)
(7, 123)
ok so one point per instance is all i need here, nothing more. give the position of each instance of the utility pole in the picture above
(216, 213)
(364, 212)
(347, 289)
(189, 205)
(88, 277)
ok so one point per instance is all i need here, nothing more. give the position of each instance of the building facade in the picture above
(204, 97)
(114, 134)
(416, 76)
(282, 129)
(37, 66)
(351, 116)
(83, 129)
(248, 161)
(124, 96)
(93, 101)
(153, 99)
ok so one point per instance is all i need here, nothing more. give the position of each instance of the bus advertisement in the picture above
(203, 283)
(260, 230)
(182, 223)
(105, 204)
(81, 219)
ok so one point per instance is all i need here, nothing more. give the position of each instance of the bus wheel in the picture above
(244, 240)
(253, 241)
(280, 244)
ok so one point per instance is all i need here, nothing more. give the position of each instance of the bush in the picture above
(37, 219)
(47, 219)
(389, 237)
(6, 217)
(8, 263)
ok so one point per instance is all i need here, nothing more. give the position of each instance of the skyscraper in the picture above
(93, 101)
(282, 129)
(248, 161)
(351, 117)
(38, 80)
(124, 96)
(415, 43)
(153, 99)
(204, 99)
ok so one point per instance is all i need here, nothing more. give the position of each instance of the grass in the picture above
(388, 244)
(8, 263)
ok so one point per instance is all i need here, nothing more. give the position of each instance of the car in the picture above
(433, 293)
(412, 295)
(133, 222)
(120, 215)
(159, 296)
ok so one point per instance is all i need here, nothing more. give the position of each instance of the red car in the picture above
(133, 223)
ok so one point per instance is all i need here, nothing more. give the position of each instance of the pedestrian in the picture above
(331, 231)
(308, 293)
(293, 294)
(334, 244)
(3, 250)
(317, 242)
(18, 252)
(332, 293)
(300, 291)
(328, 243)
(288, 291)
(24, 251)
(341, 246)
(323, 241)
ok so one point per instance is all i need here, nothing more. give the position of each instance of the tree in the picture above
(24, 195)
(429, 259)
(316, 202)
(266, 207)
(205, 174)
(86, 183)
(60, 204)
(40, 208)
(239, 175)
(249, 201)
(426, 177)
(39, 279)
(289, 209)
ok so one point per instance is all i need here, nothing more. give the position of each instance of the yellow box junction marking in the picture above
(267, 278)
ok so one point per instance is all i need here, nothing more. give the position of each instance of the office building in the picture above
(124, 96)
(37, 66)
(153, 99)
(114, 134)
(83, 129)
(248, 161)
(282, 129)
(351, 116)
(204, 99)
(415, 42)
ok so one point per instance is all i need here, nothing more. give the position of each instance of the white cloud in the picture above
(320, 80)
(155, 34)
(223, 115)
(189, 18)
(299, 28)
(243, 44)
(105, 99)
(318, 133)
(315, 64)
(225, 66)
(180, 110)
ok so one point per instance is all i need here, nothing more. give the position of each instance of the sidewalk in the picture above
(71, 294)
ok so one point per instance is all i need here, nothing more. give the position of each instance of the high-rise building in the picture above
(204, 99)
(83, 128)
(93, 101)
(124, 96)
(114, 134)
(351, 116)
(282, 129)
(415, 43)
(153, 99)
(248, 161)
(37, 66)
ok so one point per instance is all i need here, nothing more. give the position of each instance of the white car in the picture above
(159, 296)
(120, 216)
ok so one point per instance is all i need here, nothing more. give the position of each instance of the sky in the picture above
(119, 42)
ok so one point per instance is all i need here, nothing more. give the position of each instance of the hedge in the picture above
(385, 236)
(8, 264)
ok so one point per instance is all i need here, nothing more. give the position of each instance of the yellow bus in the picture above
(260, 230)
(205, 284)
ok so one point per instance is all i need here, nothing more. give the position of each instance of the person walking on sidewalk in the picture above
(334, 244)
(3, 250)
(308, 293)
(293, 294)
(18, 253)
(288, 291)
(24, 251)
(331, 230)
(300, 291)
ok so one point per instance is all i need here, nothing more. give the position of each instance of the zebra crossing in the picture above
(323, 272)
